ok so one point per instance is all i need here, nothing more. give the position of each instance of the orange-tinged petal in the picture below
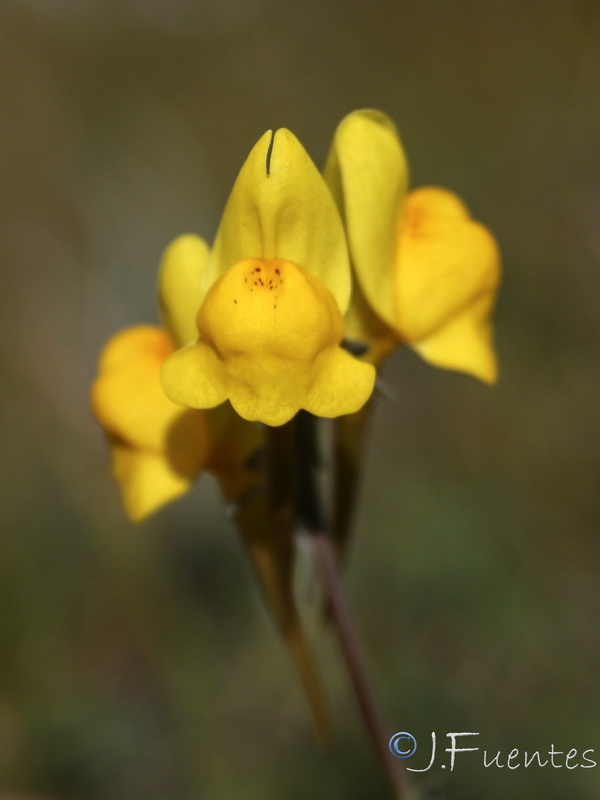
(157, 447)
(432, 201)
(447, 273)
(129, 343)
(128, 400)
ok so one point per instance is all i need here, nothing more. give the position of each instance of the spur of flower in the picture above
(274, 291)
(427, 273)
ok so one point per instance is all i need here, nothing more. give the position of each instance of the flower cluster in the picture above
(255, 328)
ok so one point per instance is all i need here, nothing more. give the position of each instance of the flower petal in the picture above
(180, 286)
(157, 447)
(273, 391)
(265, 329)
(147, 480)
(367, 173)
(432, 201)
(128, 344)
(127, 397)
(270, 307)
(128, 400)
(447, 273)
(194, 377)
(280, 207)
(266, 398)
(340, 384)
(465, 343)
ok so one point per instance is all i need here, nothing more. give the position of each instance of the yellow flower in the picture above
(427, 272)
(271, 298)
(157, 447)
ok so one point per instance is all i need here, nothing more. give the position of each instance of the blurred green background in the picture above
(138, 662)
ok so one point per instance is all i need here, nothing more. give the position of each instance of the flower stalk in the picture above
(295, 503)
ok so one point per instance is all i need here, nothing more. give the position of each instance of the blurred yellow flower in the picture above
(427, 273)
(157, 447)
(271, 296)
